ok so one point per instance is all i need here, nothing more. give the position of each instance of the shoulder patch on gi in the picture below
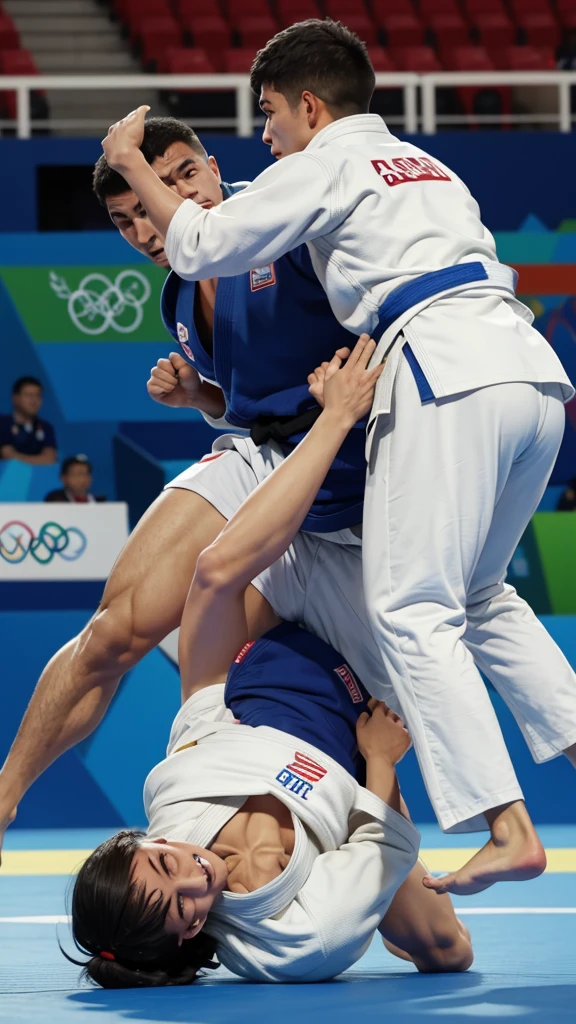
(401, 169)
(262, 277)
(243, 652)
(347, 676)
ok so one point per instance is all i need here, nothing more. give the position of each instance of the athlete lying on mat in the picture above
(259, 829)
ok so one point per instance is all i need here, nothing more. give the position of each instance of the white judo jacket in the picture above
(381, 219)
(351, 853)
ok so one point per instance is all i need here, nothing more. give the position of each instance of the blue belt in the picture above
(410, 294)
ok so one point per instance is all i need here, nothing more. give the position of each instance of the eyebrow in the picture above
(189, 161)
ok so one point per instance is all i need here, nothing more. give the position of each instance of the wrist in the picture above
(128, 160)
(336, 422)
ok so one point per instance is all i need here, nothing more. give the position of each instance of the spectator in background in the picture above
(76, 475)
(566, 52)
(567, 502)
(23, 435)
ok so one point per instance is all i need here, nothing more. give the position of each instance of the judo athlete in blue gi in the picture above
(262, 847)
(469, 412)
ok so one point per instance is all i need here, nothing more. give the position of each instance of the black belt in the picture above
(280, 428)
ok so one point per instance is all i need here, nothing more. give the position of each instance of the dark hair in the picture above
(75, 460)
(23, 382)
(324, 57)
(159, 134)
(113, 914)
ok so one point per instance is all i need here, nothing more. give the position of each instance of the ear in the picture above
(214, 167)
(192, 930)
(313, 108)
(161, 841)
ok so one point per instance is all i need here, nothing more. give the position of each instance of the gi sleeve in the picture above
(349, 890)
(292, 202)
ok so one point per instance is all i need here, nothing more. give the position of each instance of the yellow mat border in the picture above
(68, 862)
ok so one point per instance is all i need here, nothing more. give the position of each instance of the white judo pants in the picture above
(451, 488)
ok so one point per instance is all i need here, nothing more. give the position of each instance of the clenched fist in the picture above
(124, 139)
(174, 382)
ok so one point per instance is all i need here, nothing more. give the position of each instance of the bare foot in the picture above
(513, 853)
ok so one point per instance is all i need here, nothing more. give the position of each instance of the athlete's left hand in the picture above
(349, 388)
(124, 139)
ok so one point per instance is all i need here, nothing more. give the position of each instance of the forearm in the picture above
(210, 400)
(46, 458)
(381, 779)
(267, 522)
(160, 201)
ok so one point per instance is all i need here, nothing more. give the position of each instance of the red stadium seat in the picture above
(185, 62)
(210, 32)
(255, 32)
(9, 38)
(495, 30)
(402, 30)
(520, 7)
(130, 10)
(382, 8)
(157, 35)
(291, 11)
(416, 58)
(449, 29)
(236, 9)
(357, 22)
(468, 58)
(567, 13)
(474, 7)
(14, 62)
(17, 62)
(524, 58)
(381, 60)
(427, 7)
(193, 9)
(541, 28)
(238, 62)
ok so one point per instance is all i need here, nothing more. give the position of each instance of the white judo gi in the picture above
(351, 851)
(456, 465)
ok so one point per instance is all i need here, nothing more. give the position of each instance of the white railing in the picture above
(245, 121)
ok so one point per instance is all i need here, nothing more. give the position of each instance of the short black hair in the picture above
(75, 460)
(22, 382)
(323, 57)
(159, 134)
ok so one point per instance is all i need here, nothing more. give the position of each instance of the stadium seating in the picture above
(524, 58)
(255, 32)
(186, 62)
(449, 29)
(416, 58)
(381, 59)
(290, 11)
(468, 58)
(238, 62)
(207, 32)
(402, 30)
(155, 36)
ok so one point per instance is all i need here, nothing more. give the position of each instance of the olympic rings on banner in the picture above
(17, 540)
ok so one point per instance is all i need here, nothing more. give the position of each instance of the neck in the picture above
(22, 417)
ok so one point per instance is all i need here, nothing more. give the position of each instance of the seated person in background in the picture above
(23, 435)
(76, 476)
(567, 501)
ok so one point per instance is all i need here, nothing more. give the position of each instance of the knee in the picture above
(111, 636)
(449, 955)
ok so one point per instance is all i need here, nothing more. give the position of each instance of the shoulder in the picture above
(56, 496)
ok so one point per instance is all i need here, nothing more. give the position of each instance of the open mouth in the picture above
(156, 254)
(206, 867)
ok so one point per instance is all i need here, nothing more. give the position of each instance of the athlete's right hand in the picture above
(382, 733)
(347, 388)
(174, 382)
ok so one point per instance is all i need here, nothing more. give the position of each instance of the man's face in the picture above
(28, 401)
(287, 129)
(78, 479)
(130, 217)
(189, 174)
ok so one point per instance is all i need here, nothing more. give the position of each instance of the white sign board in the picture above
(61, 540)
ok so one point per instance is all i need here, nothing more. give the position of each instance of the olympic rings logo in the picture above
(17, 540)
(98, 303)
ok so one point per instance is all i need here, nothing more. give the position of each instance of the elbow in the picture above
(214, 570)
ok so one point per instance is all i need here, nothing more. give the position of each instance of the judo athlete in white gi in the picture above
(290, 867)
(468, 411)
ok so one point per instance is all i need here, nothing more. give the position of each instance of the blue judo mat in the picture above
(524, 936)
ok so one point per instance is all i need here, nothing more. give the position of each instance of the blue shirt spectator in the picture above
(23, 435)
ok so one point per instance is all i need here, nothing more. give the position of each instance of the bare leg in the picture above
(425, 930)
(142, 603)
(513, 853)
